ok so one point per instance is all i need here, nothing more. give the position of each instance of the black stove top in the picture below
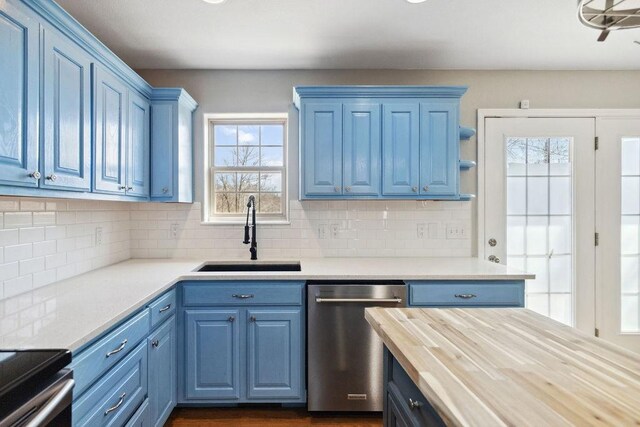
(21, 371)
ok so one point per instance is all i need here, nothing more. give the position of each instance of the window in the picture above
(247, 156)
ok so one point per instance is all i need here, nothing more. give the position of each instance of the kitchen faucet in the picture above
(254, 243)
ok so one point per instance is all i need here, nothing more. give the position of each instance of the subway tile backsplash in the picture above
(45, 240)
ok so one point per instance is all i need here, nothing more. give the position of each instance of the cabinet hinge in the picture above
(597, 142)
(597, 332)
(597, 239)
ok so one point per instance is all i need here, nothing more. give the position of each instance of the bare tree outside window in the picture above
(247, 159)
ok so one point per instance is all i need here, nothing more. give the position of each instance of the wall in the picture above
(233, 91)
(44, 240)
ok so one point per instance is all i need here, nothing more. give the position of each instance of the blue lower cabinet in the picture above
(163, 387)
(115, 397)
(396, 413)
(467, 293)
(273, 354)
(212, 354)
(141, 417)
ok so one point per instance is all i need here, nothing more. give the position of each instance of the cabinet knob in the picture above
(414, 404)
(52, 177)
(414, 189)
(35, 175)
(129, 188)
(165, 190)
(252, 318)
(232, 319)
(425, 188)
(337, 188)
(494, 258)
(122, 187)
(347, 189)
(155, 343)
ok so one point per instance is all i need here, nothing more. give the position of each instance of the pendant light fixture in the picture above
(609, 15)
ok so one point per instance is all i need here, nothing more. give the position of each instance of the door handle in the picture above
(374, 300)
(117, 405)
(465, 296)
(242, 296)
(165, 308)
(119, 349)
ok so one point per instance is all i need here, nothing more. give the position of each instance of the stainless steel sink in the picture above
(249, 267)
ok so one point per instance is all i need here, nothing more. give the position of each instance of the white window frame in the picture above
(246, 118)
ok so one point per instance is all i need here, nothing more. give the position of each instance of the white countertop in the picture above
(70, 313)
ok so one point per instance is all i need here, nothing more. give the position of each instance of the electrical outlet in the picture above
(456, 231)
(420, 231)
(322, 231)
(335, 228)
(173, 231)
(98, 236)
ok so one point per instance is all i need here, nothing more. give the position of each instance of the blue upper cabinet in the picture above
(172, 145)
(323, 149)
(392, 142)
(66, 152)
(138, 146)
(361, 149)
(439, 159)
(400, 149)
(19, 85)
(110, 132)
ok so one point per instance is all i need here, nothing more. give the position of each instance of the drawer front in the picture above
(114, 399)
(141, 418)
(405, 391)
(465, 294)
(162, 308)
(242, 293)
(94, 361)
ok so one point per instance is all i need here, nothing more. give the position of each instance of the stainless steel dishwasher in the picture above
(344, 354)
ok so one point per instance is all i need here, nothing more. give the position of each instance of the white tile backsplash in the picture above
(42, 241)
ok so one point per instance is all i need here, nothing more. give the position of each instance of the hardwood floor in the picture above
(267, 417)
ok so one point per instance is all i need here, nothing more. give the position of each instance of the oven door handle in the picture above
(62, 397)
(367, 300)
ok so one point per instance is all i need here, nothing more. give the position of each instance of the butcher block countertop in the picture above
(511, 367)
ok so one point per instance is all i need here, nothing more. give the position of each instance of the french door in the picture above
(539, 210)
(564, 205)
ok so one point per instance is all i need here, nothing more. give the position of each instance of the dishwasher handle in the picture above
(360, 300)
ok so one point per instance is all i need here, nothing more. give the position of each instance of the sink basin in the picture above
(230, 267)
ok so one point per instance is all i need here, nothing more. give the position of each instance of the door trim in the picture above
(485, 113)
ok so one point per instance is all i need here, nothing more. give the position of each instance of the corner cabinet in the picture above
(243, 343)
(380, 142)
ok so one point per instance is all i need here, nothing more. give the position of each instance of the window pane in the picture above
(226, 203)
(516, 235)
(225, 134)
(272, 156)
(225, 182)
(560, 234)
(629, 274)
(225, 156)
(248, 135)
(271, 182)
(559, 156)
(630, 236)
(248, 156)
(560, 195)
(538, 196)
(537, 235)
(540, 267)
(248, 182)
(538, 303)
(560, 273)
(630, 156)
(516, 156)
(270, 203)
(272, 135)
(630, 195)
(516, 196)
(537, 156)
(560, 308)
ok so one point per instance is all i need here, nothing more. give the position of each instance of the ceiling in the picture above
(333, 34)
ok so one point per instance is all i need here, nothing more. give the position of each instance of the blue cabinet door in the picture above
(439, 148)
(322, 145)
(66, 159)
(213, 354)
(138, 146)
(400, 147)
(274, 354)
(19, 86)
(163, 385)
(361, 149)
(110, 132)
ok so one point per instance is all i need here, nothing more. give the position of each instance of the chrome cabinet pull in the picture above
(35, 175)
(425, 188)
(117, 405)
(232, 319)
(165, 308)
(414, 189)
(465, 296)
(52, 177)
(414, 404)
(155, 343)
(242, 296)
(119, 349)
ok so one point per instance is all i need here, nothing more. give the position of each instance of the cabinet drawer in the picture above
(94, 361)
(162, 308)
(114, 399)
(454, 293)
(141, 417)
(242, 293)
(404, 391)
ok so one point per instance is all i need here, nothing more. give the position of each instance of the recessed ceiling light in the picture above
(214, 1)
